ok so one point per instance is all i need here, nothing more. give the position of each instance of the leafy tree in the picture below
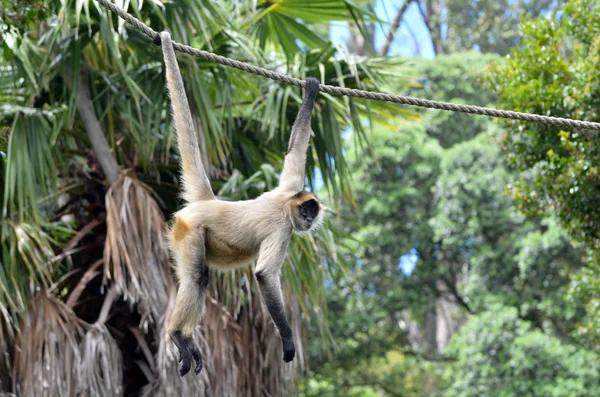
(498, 354)
(523, 262)
(392, 186)
(484, 25)
(391, 374)
(462, 25)
(556, 73)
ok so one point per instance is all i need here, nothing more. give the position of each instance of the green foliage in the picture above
(454, 78)
(556, 73)
(485, 25)
(391, 374)
(394, 194)
(498, 354)
(523, 261)
(284, 23)
(544, 78)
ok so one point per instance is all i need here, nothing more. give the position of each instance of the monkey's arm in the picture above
(195, 181)
(268, 270)
(294, 165)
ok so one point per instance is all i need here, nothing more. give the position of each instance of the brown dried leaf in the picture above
(101, 371)
(135, 256)
(47, 350)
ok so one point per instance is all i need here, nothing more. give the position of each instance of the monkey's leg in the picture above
(189, 309)
(193, 275)
(270, 288)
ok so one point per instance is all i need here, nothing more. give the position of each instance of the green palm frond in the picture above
(283, 23)
(27, 240)
(30, 172)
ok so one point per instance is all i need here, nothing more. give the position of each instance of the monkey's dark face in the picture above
(308, 212)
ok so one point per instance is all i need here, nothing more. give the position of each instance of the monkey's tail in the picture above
(195, 181)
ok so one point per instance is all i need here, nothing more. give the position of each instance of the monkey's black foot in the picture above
(186, 364)
(289, 350)
(185, 357)
(196, 355)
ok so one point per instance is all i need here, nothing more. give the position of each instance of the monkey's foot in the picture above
(187, 351)
(196, 355)
(289, 350)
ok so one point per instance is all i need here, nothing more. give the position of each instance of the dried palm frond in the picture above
(47, 352)
(166, 381)
(224, 337)
(57, 354)
(135, 257)
(261, 368)
(6, 343)
(101, 371)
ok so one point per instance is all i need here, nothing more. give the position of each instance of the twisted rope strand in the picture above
(341, 91)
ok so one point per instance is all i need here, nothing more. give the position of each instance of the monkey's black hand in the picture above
(289, 350)
(196, 355)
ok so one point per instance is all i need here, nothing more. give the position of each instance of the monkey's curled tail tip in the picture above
(311, 87)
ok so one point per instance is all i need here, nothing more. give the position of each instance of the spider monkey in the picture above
(209, 232)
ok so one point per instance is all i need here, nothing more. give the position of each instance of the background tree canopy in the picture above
(461, 257)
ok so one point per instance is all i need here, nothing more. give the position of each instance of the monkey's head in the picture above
(306, 212)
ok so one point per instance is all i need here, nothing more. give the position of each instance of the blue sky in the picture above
(417, 43)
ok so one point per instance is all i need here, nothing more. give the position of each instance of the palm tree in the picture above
(90, 175)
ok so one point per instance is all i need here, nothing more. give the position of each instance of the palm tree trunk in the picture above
(85, 106)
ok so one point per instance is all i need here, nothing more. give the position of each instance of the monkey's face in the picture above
(307, 214)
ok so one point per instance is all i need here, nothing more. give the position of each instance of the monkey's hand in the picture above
(289, 350)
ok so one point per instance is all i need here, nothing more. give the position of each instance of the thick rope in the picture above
(340, 91)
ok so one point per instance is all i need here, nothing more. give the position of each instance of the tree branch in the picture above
(417, 45)
(428, 357)
(88, 275)
(107, 304)
(427, 22)
(94, 131)
(453, 291)
(395, 24)
(76, 239)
